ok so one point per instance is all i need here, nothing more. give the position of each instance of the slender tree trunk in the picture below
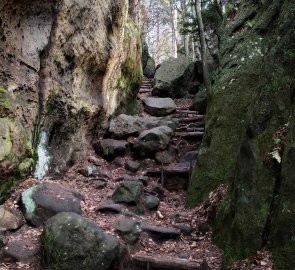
(174, 27)
(206, 76)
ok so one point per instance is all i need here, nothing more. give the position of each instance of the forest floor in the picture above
(196, 247)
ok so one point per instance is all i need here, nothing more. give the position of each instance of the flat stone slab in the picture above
(159, 106)
(160, 233)
(43, 201)
(111, 208)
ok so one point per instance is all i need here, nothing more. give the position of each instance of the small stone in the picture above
(132, 166)
(203, 228)
(158, 190)
(109, 148)
(144, 180)
(10, 219)
(185, 229)
(100, 184)
(89, 170)
(128, 229)
(118, 162)
(19, 251)
(151, 202)
(164, 157)
(128, 192)
(96, 161)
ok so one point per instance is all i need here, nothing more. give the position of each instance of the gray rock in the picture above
(153, 140)
(150, 68)
(128, 229)
(132, 166)
(18, 251)
(124, 125)
(144, 180)
(118, 162)
(165, 157)
(3, 242)
(43, 201)
(200, 102)
(129, 192)
(185, 229)
(159, 106)
(110, 148)
(70, 241)
(203, 228)
(89, 170)
(174, 78)
(160, 233)
(151, 202)
(157, 189)
(10, 219)
(110, 208)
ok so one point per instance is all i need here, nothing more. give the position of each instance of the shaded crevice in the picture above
(275, 201)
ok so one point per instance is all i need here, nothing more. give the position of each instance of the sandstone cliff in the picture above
(63, 71)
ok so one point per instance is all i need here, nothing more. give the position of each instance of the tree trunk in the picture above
(206, 76)
(174, 29)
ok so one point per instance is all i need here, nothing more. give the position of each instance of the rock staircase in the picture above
(138, 198)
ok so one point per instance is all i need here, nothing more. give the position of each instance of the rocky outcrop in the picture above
(64, 68)
(175, 77)
(148, 63)
(247, 120)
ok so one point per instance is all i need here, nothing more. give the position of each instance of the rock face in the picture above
(175, 77)
(127, 125)
(153, 140)
(45, 200)
(159, 106)
(83, 59)
(70, 241)
(251, 111)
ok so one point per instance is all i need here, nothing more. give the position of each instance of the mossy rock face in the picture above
(253, 98)
(70, 241)
(5, 139)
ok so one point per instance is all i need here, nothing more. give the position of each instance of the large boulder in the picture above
(175, 77)
(159, 106)
(70, 241)
(150, 68)
(127, 125)
(148, 63)
(109, 148)
(43, 201)
(153, 140)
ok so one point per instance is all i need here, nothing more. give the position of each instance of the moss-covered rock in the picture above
(70, 241)
(5, 139)
(253, 98)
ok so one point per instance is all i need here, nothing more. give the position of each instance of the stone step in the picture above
(160, 233)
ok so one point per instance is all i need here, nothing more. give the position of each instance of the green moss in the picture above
(5, 139)
(283, 257)
(7, 187)
(25, 167)
(6, 102)
(28, 202)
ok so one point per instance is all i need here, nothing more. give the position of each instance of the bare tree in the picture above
(206, 76)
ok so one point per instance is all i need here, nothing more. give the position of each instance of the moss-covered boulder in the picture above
(5, 139)
(70, 241)
(175, 77)
(253, 100)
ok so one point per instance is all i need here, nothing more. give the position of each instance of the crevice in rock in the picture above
(277, 167)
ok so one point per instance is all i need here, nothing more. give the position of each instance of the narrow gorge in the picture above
(115, 155)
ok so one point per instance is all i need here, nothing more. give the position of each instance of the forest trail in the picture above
(160, 233)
